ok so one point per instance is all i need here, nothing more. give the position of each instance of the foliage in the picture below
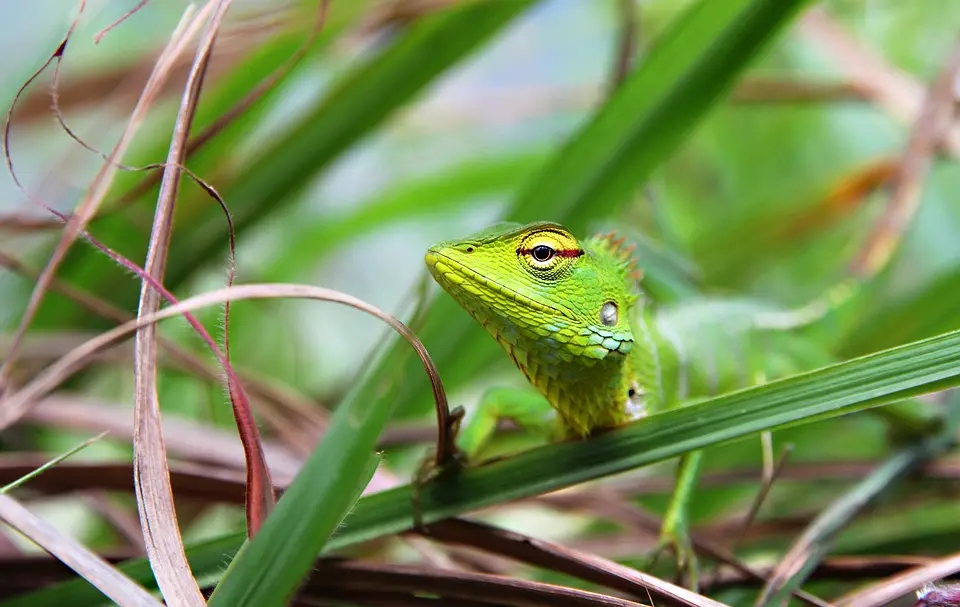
(744, 154)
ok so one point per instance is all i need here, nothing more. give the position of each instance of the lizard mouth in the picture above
(443, 267)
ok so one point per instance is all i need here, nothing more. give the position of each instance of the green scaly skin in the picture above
(571, 321)
(595, 371)
(567, 316)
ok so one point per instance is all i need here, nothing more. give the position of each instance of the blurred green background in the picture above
(336, 182)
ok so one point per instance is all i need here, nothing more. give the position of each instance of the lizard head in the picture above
(538, 283)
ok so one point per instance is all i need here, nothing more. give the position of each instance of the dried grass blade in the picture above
(158, 517)
(816, 540)
(106, 578)
(452, 585)
(886, 591)
(16, 405)
(565, 560)
(190, 481)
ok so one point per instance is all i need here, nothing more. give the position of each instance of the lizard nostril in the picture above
(469, 249)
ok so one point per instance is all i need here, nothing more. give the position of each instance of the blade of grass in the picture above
(688, 70)
(356, 105)
(268, 568)
(111, 582)
(815, 542)
(98, 572)
(41, 469)
(916, 368)
(151, 472)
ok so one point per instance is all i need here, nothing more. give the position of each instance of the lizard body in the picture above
(564, 311)
(569, 315)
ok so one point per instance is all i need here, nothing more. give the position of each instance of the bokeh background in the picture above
(769, 200)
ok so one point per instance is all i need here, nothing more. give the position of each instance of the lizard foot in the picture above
(430, 468)
(678, 543)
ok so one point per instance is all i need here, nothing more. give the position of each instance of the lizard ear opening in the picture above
(609, 314)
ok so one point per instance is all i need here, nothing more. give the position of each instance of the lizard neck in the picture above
(588, 394)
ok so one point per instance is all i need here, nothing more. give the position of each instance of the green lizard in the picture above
(570, 315)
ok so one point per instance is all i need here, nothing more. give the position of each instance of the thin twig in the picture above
(928, 129)
(87, 208)
(626, 45)
(204, 136)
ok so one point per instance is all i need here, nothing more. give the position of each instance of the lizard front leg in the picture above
(526, 408)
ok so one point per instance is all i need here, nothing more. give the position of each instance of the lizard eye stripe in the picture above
(533, 252)
(545, 250)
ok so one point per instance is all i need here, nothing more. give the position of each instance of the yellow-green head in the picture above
(560, 307)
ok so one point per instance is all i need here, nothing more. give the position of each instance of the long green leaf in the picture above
(694, 63)
(356, 106)
(878, 379)
(268, 569)
(688, 70)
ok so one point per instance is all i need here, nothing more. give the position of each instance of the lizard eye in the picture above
(542, 253)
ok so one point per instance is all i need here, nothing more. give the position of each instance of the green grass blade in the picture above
(874, 380)
(355, 107)
(816, 541)
(268, 569)
(688, 70)
(53, 462)
(854, 385)
(690, 67)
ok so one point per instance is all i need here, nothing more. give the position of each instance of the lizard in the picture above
(568, 313)
(571, 316)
